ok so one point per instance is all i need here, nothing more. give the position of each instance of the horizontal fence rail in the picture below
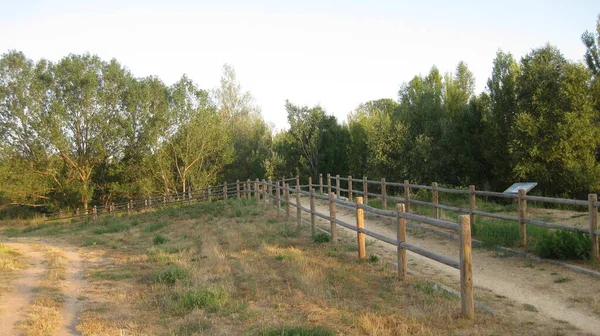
(272, 192)
(347, 185)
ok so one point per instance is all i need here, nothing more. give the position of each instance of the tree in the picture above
(554, 137)
(592, 54)
(380, 139)
(200, 146)
(502, 89)
(250, 135)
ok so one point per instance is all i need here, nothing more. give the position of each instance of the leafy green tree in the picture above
(592, 54)
(554, 138)
(250, 135)
(200, 146)
(380, 139)
(502, 89)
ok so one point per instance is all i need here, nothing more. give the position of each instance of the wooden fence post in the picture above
(332, 225)
(248, 190)
(365, 190)
(77, 212)
(225, 191)
(270, 193)
(435, 200)
(278, 199)
(94, 212)
(522, 214)
(256, 191)
(472, 204)
(328, 184)
(237, 188)
(401, 237)
(209, 194)
(321, 183)
(383, 194)
(349, 188)
(466, 270)
(337, 186)
(190, 194)
(287, 200)
(310, 185)
(594, 253)
(145, 204)
(313, 228)
(128, 208)
(298, 210)
(265, 195)
(406, 196)
(360, 224)
(150, 202)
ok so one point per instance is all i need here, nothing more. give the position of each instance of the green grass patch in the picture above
(321, 237)
(297, 331)
(111, 228)
(156, 226)
(159, 240)
(211, 299)
(93, 242)
(169, 275)
(114, 276)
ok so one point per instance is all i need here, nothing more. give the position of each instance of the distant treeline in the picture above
(85, 131)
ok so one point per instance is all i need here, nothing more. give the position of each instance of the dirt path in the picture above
(72, 288)
(538, 288)
(14, 304)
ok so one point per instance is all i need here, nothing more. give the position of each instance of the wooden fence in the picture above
(279, 194)
(463, 227)
(336, 183)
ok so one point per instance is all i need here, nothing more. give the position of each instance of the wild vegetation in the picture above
(235, 268)
(83, 131)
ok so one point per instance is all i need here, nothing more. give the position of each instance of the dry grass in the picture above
(43, 315)
(232, 269)
(10, 259)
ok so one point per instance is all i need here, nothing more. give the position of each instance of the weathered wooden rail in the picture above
(463, 227)
(336, 184)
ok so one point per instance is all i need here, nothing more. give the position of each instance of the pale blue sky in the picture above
(334, 53)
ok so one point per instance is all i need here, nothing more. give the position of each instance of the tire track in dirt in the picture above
(505, 276)
(14, 303)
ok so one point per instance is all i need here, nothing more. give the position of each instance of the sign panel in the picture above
(514, 189)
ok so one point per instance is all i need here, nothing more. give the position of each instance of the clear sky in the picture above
(334, 53)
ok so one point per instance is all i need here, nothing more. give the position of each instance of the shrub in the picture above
(169, 275)
(563, 244)
(322, 237)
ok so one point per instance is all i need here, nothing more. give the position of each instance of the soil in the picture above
(14, 303)
(514, 286)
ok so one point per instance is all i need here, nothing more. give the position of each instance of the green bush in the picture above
(159, 240)
(322, 237)
(564, 244)
(169, 275)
